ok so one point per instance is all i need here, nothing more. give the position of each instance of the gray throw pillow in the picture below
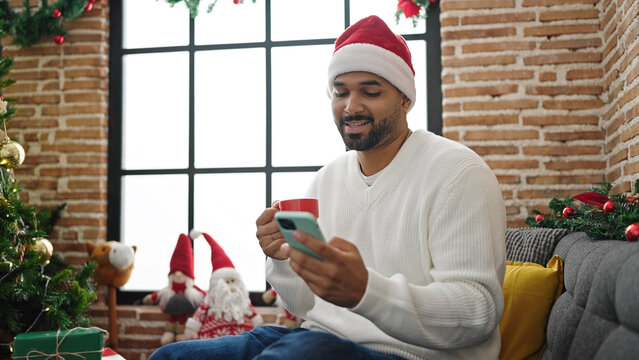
(532, 244)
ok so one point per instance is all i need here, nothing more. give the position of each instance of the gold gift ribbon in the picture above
(59, 355)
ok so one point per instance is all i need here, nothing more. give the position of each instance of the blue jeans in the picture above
(270, 342)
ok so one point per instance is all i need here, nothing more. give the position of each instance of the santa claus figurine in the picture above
(226, 309)
(181, 298)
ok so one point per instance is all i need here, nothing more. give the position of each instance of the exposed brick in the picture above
(584, 74)
(563, 58)
(452, 107)
(573, 104)
(630, 132)
(501, 135)
(629, 95)
(575, 135)
(86, 184)
(575, 165)
(611, 143)
(547, 76)
(67, 246)
(495, 90)
(140, 330)
(478, 33)
(85, 97)
(556, 2)
(608, 64)
(39, 99)
(449, 21)
(632, 113)
(618, 157)
(508, 179)
(495, 150)
(498, 46)
(557, 30)
(501, 105)
(35, 123)
(85, 84)
(513, 164)
(34, 75)
(615, 125)
(94, 234)
(632, 74)
(562, 150)
(547, 193)
(622, 187)
(475, 4)
(75, 109)
(613, 175)
(88, 121)
(568, 15)
(81, 134)
(570, 44)
(480, 120)
(448, 51)
(502, 18)
(72, 171)
(75, 73)
(479, 61)
(73, 148)
(563, 179)
(87, 159)
(452, 135)
(497, 75)
(564, 90)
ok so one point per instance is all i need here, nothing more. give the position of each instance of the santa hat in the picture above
(222, 266)
(369, 45)
(182, 258)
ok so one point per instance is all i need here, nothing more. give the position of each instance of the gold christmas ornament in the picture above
(11, 154)
(43, 247)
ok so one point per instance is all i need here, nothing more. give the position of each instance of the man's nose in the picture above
(353, 105)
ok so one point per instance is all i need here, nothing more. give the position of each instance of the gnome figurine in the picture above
(226, 309)
(181, 298)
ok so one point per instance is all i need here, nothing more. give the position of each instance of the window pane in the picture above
(226, 207)
(154, 213)
(230, 108)
(304, 132)
(417, 118)
(290, 185)
(385, 9)
(152, 23)
(320, 20)
(155, 110)
(230, 23)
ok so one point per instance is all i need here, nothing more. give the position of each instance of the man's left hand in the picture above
(340, 279)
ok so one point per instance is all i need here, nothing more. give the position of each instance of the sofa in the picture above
(596, 313)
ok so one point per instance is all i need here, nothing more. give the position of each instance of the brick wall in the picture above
(547, 91)
(543, 90)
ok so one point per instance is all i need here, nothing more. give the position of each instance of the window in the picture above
(212, 118)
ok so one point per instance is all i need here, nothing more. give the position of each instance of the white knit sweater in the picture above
(431, 232)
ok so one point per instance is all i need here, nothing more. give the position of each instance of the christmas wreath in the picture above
(414, 9)
(28, 27)
(599, 214)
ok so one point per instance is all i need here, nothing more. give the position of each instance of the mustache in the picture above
(344, 119)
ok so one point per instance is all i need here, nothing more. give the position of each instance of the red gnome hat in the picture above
(222, 266)
(182, 258)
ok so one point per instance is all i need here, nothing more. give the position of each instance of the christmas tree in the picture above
(37, 290)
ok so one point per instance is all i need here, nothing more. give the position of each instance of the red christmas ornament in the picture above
(88, 7)
(58, 39)
(55, 13)
(632, 232)
(568, 212)
(609, 206)
(539, 217)
(408, 7)
(236, 2)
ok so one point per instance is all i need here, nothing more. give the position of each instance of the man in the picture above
(416, 257)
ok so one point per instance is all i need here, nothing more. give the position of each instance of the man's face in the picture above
(368, 110)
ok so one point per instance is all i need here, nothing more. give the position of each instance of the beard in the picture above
(231, 305)
(375, 137)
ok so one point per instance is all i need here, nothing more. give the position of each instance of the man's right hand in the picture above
(269, 235)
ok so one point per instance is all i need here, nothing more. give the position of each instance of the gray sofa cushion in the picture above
(597, 317)
(532, 244)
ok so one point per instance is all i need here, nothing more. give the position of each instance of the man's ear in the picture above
(406, 102)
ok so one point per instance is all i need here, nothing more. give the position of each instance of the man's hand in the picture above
(340, 279)
(269, 235)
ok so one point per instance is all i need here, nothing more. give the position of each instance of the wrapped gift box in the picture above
(79, 343)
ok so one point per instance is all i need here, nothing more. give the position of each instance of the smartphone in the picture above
(288, 221)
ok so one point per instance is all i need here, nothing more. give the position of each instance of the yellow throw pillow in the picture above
(529, 293)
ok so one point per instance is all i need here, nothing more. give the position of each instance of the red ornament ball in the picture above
(55, 13)
(58, 39)
(236, 2)
(88, 7)
(568, 211)
(609, 206)
(539, 217)
(632, 232)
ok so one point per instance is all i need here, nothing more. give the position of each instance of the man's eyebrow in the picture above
(367, 82)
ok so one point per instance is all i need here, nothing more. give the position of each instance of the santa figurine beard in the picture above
(230, 299)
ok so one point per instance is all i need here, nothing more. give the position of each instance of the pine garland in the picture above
(193, 5)
(29, 26)
(588, 212)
